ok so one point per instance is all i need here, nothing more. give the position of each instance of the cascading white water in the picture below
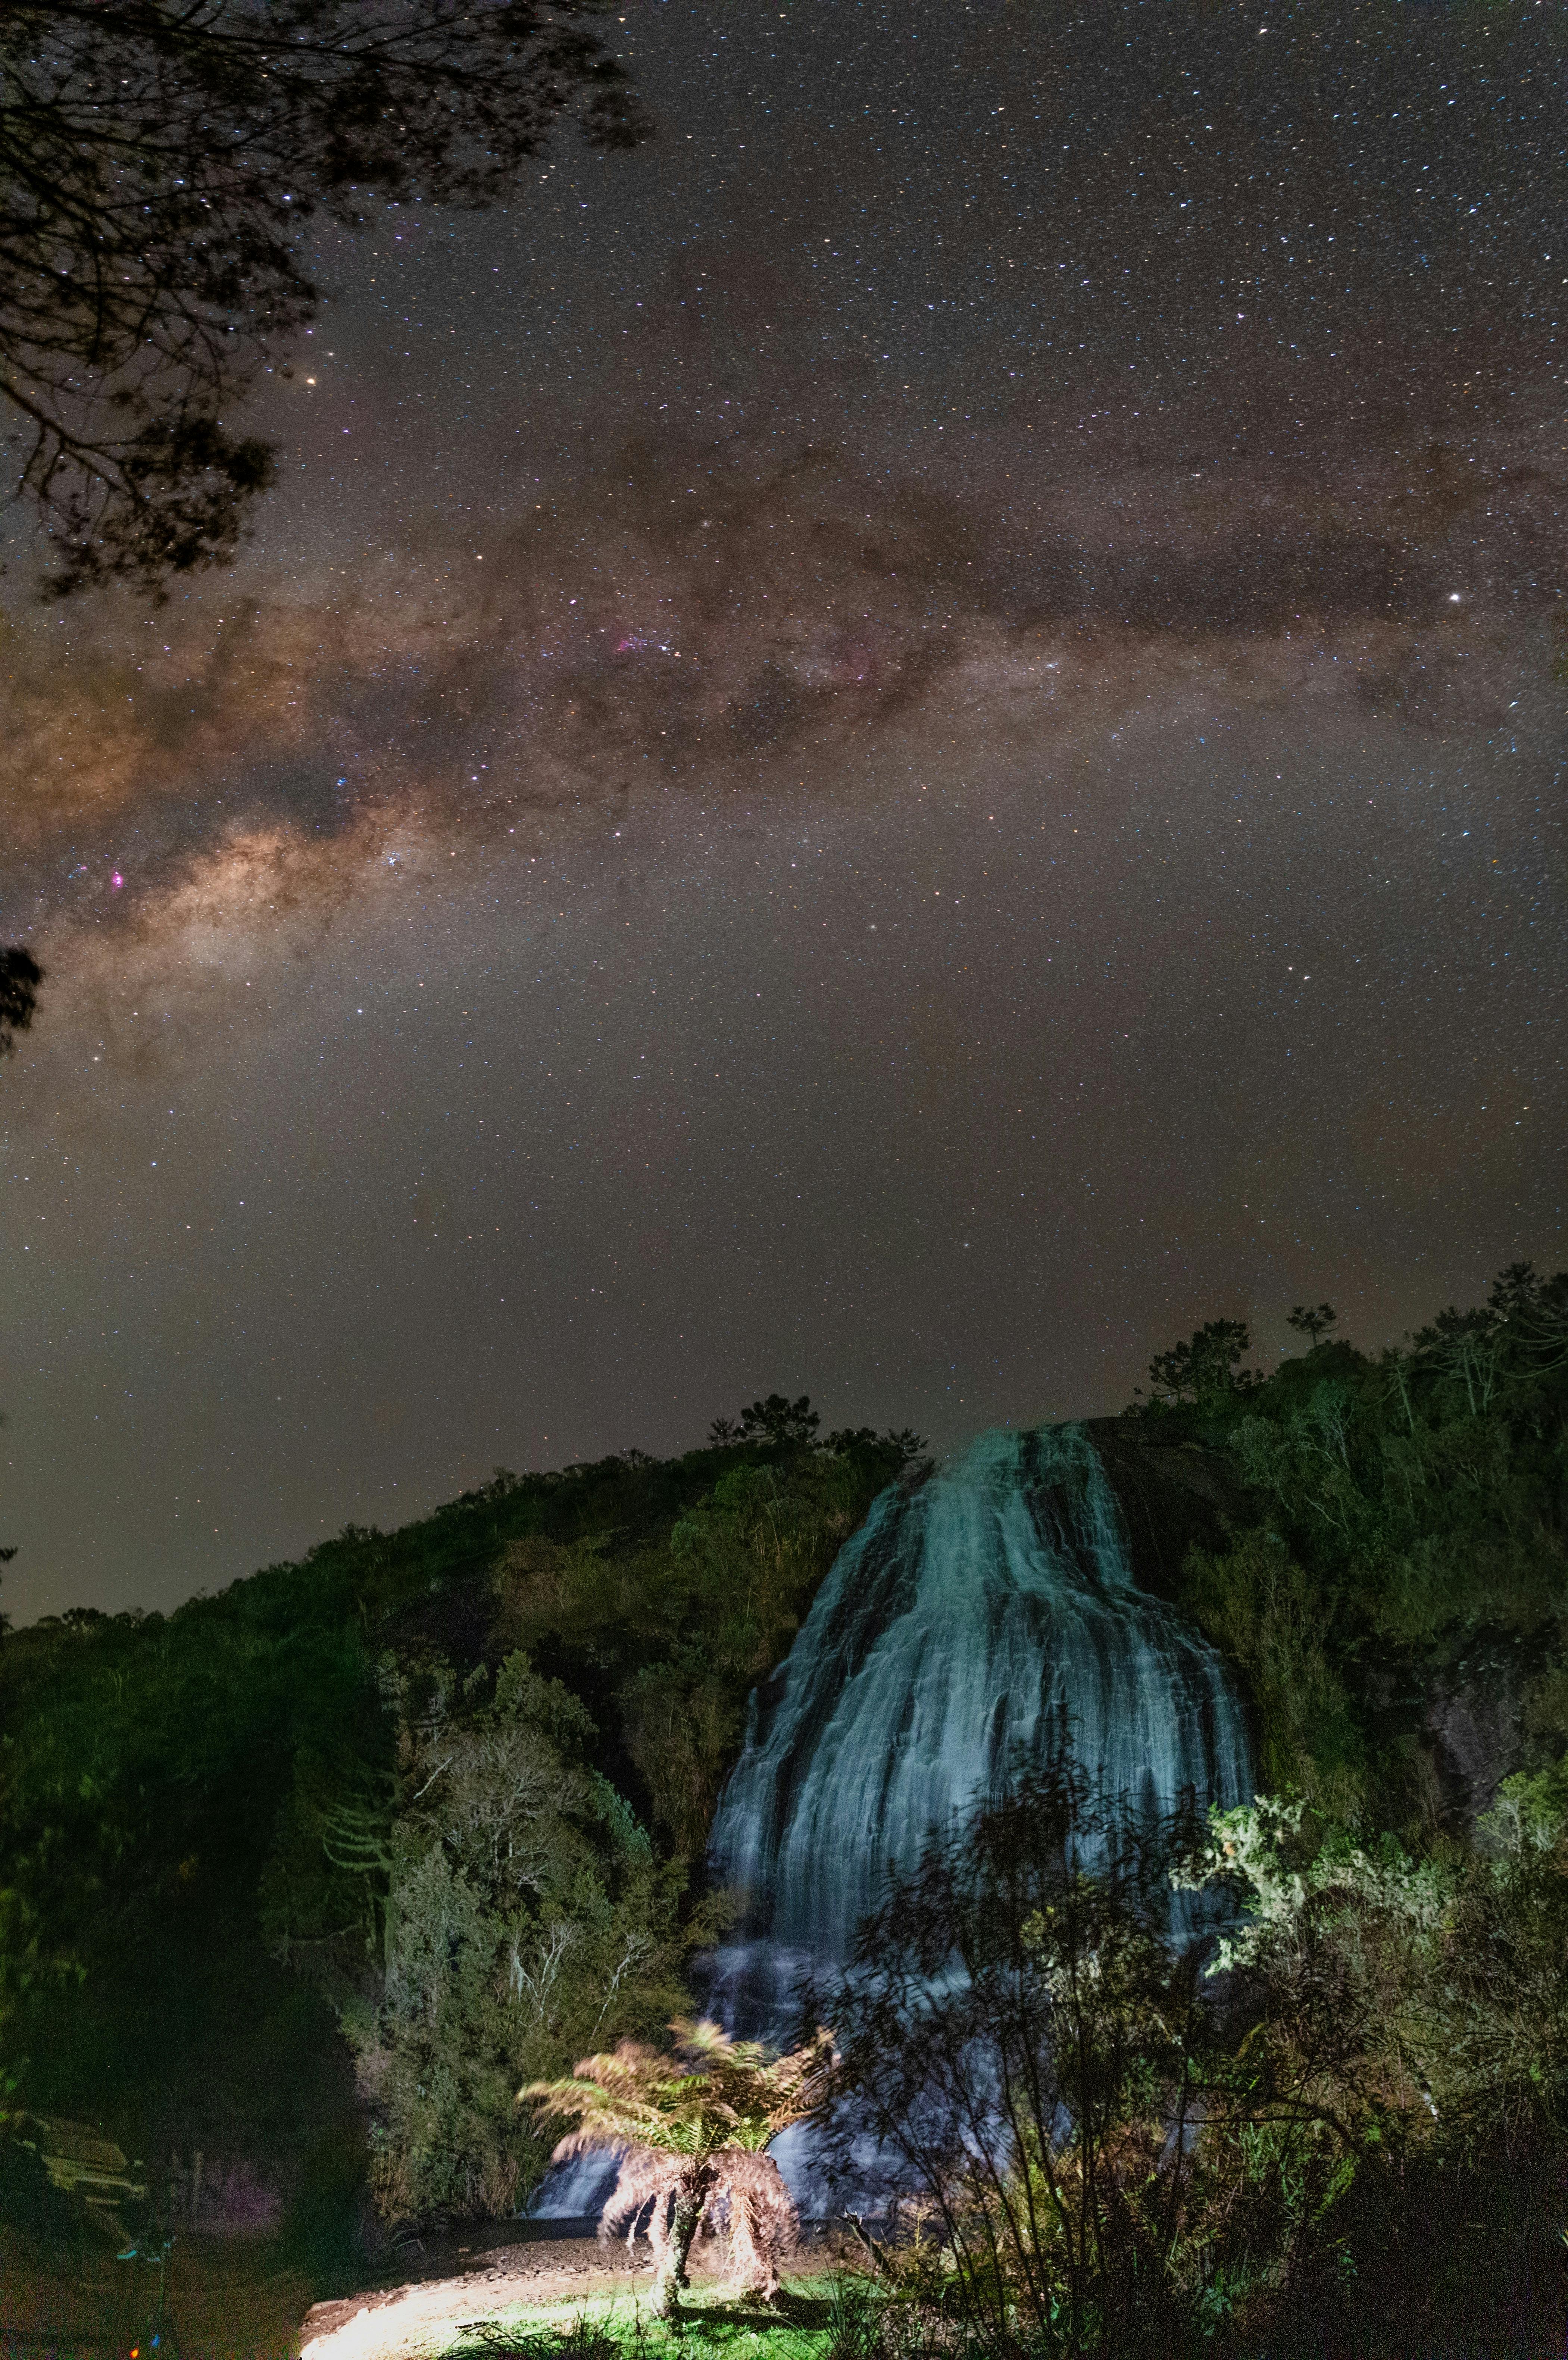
(987, 1612)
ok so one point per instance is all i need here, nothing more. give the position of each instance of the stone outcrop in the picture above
(1174, 1496)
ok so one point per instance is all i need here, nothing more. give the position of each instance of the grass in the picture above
(801, 2326)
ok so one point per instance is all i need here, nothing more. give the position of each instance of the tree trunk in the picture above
(687, 2198)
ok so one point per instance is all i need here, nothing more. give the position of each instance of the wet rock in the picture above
(1174, 1496)
(1473, 1721)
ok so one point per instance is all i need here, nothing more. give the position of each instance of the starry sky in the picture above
(894, 747)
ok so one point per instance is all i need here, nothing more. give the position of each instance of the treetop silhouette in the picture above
(161, 157)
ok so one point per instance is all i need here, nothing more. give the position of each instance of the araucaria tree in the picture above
(158, 162)
(693, 2129)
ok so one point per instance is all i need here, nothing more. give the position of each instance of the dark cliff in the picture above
(1174, 1495)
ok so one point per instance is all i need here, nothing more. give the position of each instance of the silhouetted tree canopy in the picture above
(20, 976)
(1206, 1367)
(159, 158)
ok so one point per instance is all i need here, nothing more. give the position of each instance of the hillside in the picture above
(255, 1904)
(1394, 1601)
(172, 1967)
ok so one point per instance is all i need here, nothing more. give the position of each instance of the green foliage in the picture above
(523, 1916)
(141, 1766)
(20, 976)
(213, 1858)
(693, 2129)
(1403, 2000)
(1406, 1502)
(1263, 1611)
(776, 1419)
(806, 2326)
(669, 1639)
(1112, 2169)
(1123, 2153)
(711, 2091)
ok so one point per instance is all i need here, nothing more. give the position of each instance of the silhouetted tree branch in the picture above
(1205, 1369)
(20, 976)
(159, 158)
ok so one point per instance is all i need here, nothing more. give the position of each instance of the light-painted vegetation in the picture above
(692, 2127)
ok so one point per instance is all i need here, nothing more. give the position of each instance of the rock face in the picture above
(1173, 1496)
(1456, 1718)
(1474, 1722)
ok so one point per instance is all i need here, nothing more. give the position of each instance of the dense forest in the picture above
(1404, 1558)
(236, 1899)
(311, 1874)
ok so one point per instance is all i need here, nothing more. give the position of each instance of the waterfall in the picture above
(985, 1611)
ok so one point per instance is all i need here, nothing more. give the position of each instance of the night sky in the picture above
(894, 748)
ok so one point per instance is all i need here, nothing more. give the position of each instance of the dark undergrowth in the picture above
(198, 1811)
